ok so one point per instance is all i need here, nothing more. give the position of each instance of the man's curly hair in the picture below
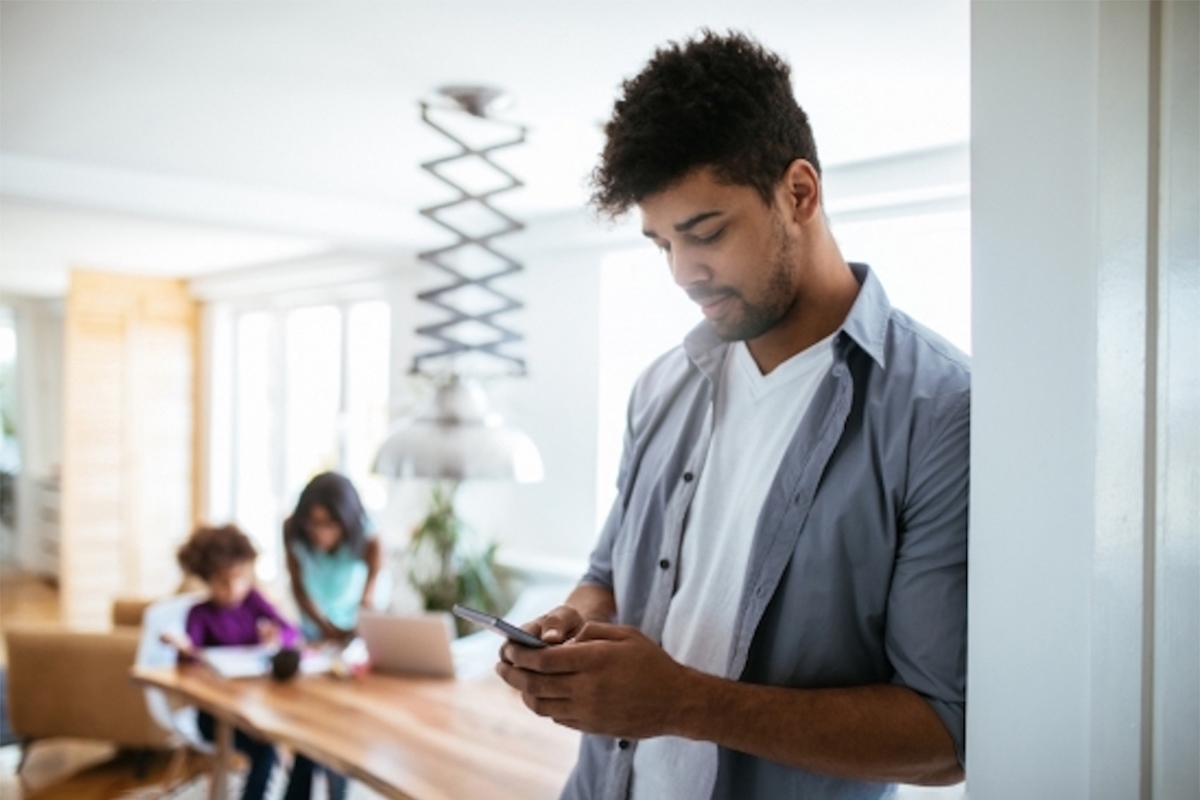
(721, 101)
(212, 550)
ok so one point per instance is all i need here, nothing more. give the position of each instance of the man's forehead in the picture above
(689, 201)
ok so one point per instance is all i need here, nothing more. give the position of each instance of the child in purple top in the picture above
(234, 614)
(252, 621)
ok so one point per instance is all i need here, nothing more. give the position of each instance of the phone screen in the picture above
(498, 625)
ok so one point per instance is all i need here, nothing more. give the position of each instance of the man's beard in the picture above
(756, 319)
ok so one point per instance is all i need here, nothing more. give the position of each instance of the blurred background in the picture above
(208, 235)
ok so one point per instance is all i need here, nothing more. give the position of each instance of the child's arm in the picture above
(195, 628)
(373, 555)
(188, 645)
(307, 606)
(288, 635)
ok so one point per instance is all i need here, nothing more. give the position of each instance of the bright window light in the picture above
(310, 394)
(368, 334)
(643, 314)
(255, 506)
(924, 264)
(313, 393)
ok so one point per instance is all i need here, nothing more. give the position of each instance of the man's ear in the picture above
(800, 191)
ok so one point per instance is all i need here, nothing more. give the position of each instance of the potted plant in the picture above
(445, 563)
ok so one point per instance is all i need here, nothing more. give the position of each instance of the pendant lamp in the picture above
(456, 436)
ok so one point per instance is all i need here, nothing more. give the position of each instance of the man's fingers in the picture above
(533, 684)
(543, 707)
(545, 660)
(558, 625)
(595, 631)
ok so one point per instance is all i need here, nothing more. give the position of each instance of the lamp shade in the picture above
(457, 437)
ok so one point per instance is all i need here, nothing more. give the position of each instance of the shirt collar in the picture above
(706, 350)
(865, 325)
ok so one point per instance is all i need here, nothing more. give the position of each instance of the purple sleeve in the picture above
(195, 627)
(288, 635)
(203, 625)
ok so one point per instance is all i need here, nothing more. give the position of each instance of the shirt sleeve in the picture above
(194, 627)
(926, 635)
(288, 634)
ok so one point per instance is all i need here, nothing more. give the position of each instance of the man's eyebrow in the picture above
(686, 225)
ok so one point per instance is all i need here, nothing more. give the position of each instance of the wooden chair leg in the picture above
(176, 775)
(142, 761)
(24, 746)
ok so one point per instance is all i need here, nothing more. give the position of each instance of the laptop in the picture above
(417, 644)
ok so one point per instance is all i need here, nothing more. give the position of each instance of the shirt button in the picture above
(664, 564)
(687, 477)
(623, 744)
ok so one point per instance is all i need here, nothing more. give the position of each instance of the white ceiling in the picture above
(186, 137)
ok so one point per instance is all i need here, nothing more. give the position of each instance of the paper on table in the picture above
(252, 661)
(239, 662)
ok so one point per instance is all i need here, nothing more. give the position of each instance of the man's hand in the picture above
(608, 679)
(556, 626)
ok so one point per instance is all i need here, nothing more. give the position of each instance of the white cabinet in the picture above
(46, 525)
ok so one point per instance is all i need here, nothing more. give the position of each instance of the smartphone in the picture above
(500, 626)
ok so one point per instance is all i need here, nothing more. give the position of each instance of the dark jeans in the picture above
(300, 784)
(260, 753)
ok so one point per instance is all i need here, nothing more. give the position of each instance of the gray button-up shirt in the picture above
(858, 571)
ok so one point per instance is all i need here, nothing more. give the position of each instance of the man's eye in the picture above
(712, 237)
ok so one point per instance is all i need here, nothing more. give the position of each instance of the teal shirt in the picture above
(334, 582)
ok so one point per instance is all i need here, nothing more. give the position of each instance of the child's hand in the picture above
(339, 636)
(268, 632)
(180, 643)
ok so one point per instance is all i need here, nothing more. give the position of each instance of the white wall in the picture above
(1073, 409)
(553, 522)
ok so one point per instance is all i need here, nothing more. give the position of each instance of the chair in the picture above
(65, 683)
(169, 616)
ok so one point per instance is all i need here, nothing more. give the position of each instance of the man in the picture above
(777, 604)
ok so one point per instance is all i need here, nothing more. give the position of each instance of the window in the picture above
(924, 264)
(642, 315)
(309, 393)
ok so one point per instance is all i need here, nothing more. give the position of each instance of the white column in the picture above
(1175, 709)
(1085, 440)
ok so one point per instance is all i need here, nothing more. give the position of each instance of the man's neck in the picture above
(819, 310)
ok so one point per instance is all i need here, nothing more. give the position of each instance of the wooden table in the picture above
(406, 737)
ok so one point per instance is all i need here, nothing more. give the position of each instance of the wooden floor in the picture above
(66, 769)
(79, 771)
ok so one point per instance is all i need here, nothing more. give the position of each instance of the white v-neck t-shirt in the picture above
(754, 417)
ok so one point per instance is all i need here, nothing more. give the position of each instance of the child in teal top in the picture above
(334, 561)
(333, 558)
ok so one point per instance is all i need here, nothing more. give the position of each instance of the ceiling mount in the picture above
(475, 100)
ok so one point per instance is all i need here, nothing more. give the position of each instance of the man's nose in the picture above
(687, 268)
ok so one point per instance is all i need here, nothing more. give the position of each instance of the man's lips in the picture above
(711, 303)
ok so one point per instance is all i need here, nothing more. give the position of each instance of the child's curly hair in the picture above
(211, 550)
